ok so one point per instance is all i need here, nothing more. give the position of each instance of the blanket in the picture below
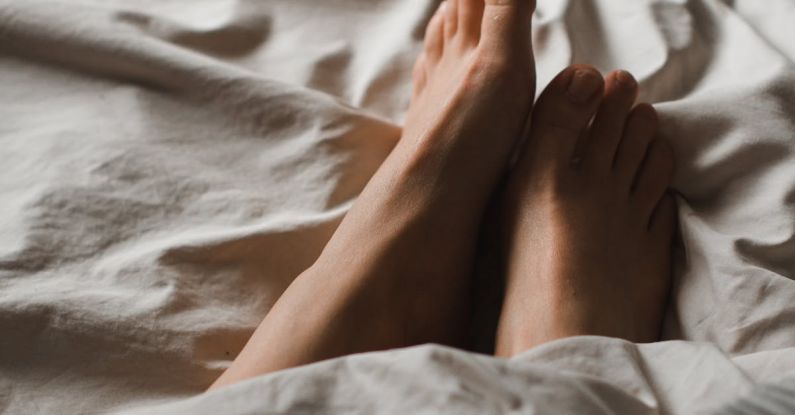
(169, 166)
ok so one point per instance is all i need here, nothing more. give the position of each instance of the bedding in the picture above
(767, 399)
(169, 166)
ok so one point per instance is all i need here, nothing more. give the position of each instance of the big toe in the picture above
(506, 23)
(563, 113)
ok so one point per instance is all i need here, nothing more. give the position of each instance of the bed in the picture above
(169, 166)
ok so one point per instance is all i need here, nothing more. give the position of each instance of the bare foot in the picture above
(589, 222)
(396, 272)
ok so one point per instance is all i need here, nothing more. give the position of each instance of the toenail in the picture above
(584, 85)
(626, 79)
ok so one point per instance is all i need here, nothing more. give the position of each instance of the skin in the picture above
(398, 267)
(588, 223)
(586, 220)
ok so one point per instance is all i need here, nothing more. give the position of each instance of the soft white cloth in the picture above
(766, 399)
(169, 166)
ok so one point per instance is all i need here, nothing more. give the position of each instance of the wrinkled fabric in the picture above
(169, 166)
(765, 399)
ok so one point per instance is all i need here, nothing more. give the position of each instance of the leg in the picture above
(589, 223)
(396, 272)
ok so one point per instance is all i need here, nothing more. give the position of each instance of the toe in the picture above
(450, 18)
(638, 134)
(470, 17)
(663, 223)
(506, 23)
(621, 90)
(654, 177)
(563, 112)
(420, 76)
(434, 35)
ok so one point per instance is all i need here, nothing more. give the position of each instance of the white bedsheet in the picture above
(168, 166)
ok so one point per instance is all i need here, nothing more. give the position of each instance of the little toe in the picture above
(563, 112)
(434, 35)
(638, 134)
(470, 17)
(621, 90)
(506, 23)
(654, 177)
(450, 18)
(419, 76)
(663, 222)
